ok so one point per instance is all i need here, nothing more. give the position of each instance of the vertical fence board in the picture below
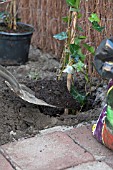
(46, 16)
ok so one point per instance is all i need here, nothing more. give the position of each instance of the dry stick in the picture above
(69, 76)
(14, 14)
(10, 11)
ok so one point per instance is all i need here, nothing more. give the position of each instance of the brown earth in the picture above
(21, 119)
(20, 28)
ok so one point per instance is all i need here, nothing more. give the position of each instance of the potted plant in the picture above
(15, 37)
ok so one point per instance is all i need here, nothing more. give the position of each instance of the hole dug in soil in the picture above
(21, 119)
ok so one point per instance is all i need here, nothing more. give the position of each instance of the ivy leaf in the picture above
(97, 27)
(95, 22)
(82, 37)
(75, 57)
(79, 15)
(61, 36)
(77, 4)
(66, 58)
(94, 17)
(79, 28)
(73, 3)
(86, 78)
(77, 96)
(77, 41)
(65, 19)
(79, 66)
(89, 48)
(74, 9)
(2, 15)
(74, 48)
(82, 56)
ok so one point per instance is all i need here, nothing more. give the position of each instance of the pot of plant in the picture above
(15, 37)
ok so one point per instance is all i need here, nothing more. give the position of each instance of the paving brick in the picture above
(4, 164)
(109, 160)
(92, 166)
(52, 151)
(83, 136)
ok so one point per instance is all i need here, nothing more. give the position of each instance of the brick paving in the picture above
(83, 137)
(74, 149)
(91, 166)
(4, 164)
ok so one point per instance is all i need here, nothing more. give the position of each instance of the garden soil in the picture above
(20, 119)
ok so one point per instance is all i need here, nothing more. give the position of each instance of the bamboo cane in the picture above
(10, 11)
(74, 20)
(14, 14)
(73, 31)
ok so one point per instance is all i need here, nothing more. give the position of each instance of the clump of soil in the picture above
(20, 28)
(55, 92)
(21, 119)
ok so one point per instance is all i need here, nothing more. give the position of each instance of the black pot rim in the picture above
(19, 34)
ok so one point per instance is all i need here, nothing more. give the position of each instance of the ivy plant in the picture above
(73, 57)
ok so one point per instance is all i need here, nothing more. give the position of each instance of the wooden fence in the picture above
(46, 16)
(104, 9)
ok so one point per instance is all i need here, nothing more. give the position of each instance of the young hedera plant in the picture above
(73, 57)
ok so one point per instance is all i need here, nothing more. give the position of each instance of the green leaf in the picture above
(74, 48)
(66, 50)
(82, 56)
(66, 61)
(76, 57)
(77, 41)
(61, 36)
(79, 15)
(2, 14)
(79, 28)
(3, 1)
(18, 19)
(77, 4)
(86, 78)
(89, 48)
(74, 9)
(77, 96)
(73, 3)
(65, 19)
(94, 17)
(82, 37)
(97, 27)
(79, 66)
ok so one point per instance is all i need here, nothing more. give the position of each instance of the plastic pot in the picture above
(14, 47)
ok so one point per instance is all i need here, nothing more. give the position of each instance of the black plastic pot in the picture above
(14, 47)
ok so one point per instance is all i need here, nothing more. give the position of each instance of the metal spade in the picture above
(20, 89)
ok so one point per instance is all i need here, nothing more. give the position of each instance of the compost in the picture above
(20, 119)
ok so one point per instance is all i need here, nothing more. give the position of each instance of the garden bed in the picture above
(21, 119)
